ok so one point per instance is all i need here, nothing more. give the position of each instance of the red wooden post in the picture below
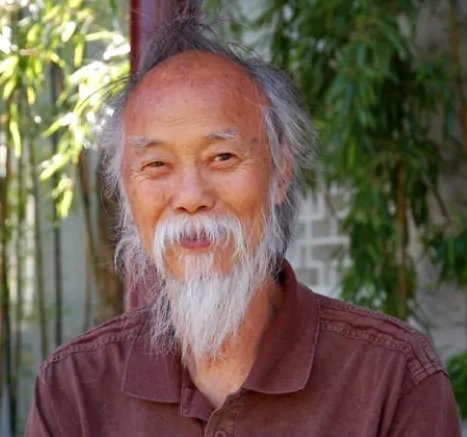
(145, 16)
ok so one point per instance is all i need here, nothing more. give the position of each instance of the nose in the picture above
(192, 192)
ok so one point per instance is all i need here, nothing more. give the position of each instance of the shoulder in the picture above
(379, 332)
(107, 339)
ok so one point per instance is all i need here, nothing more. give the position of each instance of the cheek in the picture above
(247, 194)
(151, 193)
(147, 199)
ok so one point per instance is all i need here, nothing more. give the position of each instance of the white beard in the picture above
(199, 313)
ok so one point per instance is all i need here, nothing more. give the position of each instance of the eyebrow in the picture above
(227, 134)
(141, 142)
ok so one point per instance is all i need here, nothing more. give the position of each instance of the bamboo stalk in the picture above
(465, 326)
(88, 292)
(57, 234)
(402, 240)
(3, 186)
(19, 250)
(39, 267)
(456, 50)
(456, 54)
(110, 288)
(5, 325)
(92, 268)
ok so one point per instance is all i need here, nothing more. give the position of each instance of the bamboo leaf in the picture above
(63, 121)
(8, 66)
(68, 31)
(52, 13)
(31, 95)
(37, 68)
(9, 88)
(99, 36)
(51, 166)
(79, 54)
(64, 195)
(15, 136)
(33, 34)
(63, 206)
(75, 4)
(53, 57)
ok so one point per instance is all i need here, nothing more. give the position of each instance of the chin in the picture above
(197, 266)
(193, 266)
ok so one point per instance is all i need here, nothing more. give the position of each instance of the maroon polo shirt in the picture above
(324, 369)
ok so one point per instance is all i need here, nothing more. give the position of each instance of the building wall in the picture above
(443, 309)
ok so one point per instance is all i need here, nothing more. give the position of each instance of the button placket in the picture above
(222, 422)
(187, 396)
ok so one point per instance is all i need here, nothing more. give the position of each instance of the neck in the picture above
(218, 378)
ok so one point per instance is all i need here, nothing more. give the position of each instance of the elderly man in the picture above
(206, 150)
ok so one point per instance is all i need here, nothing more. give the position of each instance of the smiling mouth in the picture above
(195, 242)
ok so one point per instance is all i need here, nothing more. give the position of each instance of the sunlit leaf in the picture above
(63, 206)
(63, 193)
(9, 88)
(68, 31)
(99, 36)
(15, 136)
(75, 4)
(79, 54)
(51, 166)
(54, 57)
(37, 68)
(65, 120)
(52, 13)
(112, 51)
(31, 95)
(33, 33)
(7, 67)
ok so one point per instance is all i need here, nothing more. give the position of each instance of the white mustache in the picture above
(215, 229)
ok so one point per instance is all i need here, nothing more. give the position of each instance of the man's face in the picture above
(194, 143)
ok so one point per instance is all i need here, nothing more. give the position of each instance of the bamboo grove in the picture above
(57, 60)
(376, 93)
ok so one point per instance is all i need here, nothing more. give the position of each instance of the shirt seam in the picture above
(96, 344)
(374, 338)
(374, 315)
(415, 386)
(425, 368)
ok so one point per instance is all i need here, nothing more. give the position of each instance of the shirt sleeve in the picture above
(42, 422)
(429, 409)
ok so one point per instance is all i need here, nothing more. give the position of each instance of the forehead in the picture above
(195, 85)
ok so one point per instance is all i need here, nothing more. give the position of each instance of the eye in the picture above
(222, 157)
(155, 164)
(154, 168)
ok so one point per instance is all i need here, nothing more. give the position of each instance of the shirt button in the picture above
(220, 434)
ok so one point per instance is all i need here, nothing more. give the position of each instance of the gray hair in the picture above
(288, 127)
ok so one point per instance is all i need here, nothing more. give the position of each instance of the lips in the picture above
(195, 242)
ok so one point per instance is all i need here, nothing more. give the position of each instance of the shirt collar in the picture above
(286, 352)
(283, 365)
(149, 374)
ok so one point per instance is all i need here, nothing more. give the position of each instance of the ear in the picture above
(283, 176)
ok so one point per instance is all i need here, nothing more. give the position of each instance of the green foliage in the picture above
(374, 97)
(41, 37)
(457, 369)
(450, 254)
